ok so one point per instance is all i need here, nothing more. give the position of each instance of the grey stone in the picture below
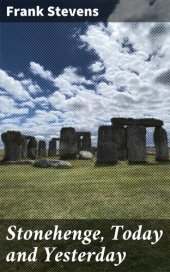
(85, 155)
(32, 147)
(161, 144)
(60, 164)
(147, 122)
(68, 143)
(52, 163)
(107, 149)
(41, 149)
(136, 144)
(42, 163)
(120, 139)
(12, 145)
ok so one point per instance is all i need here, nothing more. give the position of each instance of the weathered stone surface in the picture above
(147, 122)
(68, 143)
(60, 164)
(32, 147)
(42, 149)
(52, 163)
(136, 144)
(83, 141)
(42, 163)
(107, 151)
(85, 155)
(12, 145)
(161, 144)
(121, 140)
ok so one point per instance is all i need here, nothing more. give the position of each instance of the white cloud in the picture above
(132, 88)
(97, 67)
(8, 106)
(12, 86)
(69, 81)
(39, 70)
(32, 87)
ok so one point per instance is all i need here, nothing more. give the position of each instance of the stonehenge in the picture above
(41, 149)
(124, 139)
(68, 143)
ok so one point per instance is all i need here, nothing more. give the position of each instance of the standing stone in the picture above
(107, 147)
(136, 143)
(52, 150)
(12, 145)
(161, 144)
(32, 147)
(68, 143)
(42, 149)
(121, 140)
(25, 141)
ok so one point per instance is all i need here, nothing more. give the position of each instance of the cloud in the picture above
(97, 67)
(32, 87)
(12, 86)
(129, 76)
(9, 106)
(39, 70)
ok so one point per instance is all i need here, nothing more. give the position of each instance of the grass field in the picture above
(85, 191)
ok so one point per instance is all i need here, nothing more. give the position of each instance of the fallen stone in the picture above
(60, 164)
(52, 163)
(42, 164)
(85, 155)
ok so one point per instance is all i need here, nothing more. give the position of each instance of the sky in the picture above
(55, 75)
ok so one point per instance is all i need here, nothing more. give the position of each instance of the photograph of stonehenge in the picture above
(125, 139)
(85, 120)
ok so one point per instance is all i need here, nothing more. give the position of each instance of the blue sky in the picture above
(54, 75)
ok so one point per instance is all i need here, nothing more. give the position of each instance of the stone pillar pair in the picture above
(12, 145)
(18, 146)
(116, 142)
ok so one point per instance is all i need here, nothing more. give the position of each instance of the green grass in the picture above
(85, 191)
